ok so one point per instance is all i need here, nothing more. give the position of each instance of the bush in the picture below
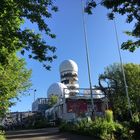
(101, 128)
(41, 123)
(121, 132)
(67, 127)
(106, 128)
(135, 125)
(2, 137)
(109, 115)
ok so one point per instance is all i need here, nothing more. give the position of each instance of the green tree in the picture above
(14, 79)
(118, 97)
(53, 100)
(130, 8)
(13, 13)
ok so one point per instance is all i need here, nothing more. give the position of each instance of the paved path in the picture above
(43, 134)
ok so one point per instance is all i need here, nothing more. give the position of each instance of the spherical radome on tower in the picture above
(57, 89)
(69, 75)
(68, 65)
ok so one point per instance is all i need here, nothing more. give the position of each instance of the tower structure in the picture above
(69, 76)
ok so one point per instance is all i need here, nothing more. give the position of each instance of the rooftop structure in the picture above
(97, 94)
(40, 105)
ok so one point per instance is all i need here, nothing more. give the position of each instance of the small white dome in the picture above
(57, 89)
(68, 65)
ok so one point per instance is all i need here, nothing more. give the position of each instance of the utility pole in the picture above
(88, 62)
(122, 69)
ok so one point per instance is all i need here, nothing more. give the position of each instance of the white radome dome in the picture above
(57, 89)
(68, 65)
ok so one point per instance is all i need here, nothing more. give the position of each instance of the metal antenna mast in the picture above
(87, 57)
(122, 68)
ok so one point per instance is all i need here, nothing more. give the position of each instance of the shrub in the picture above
(2, 137)
(101, 128)
(135, 125)
(136, 118)
(121, 132)
(67, 127)
(40, 124)
(109, 115)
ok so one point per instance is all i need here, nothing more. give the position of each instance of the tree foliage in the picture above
(13, 13)
(14, 79)
(118, 98)
(130, 8)
(53, 100)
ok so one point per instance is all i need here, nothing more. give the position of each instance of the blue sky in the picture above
(68, 27)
